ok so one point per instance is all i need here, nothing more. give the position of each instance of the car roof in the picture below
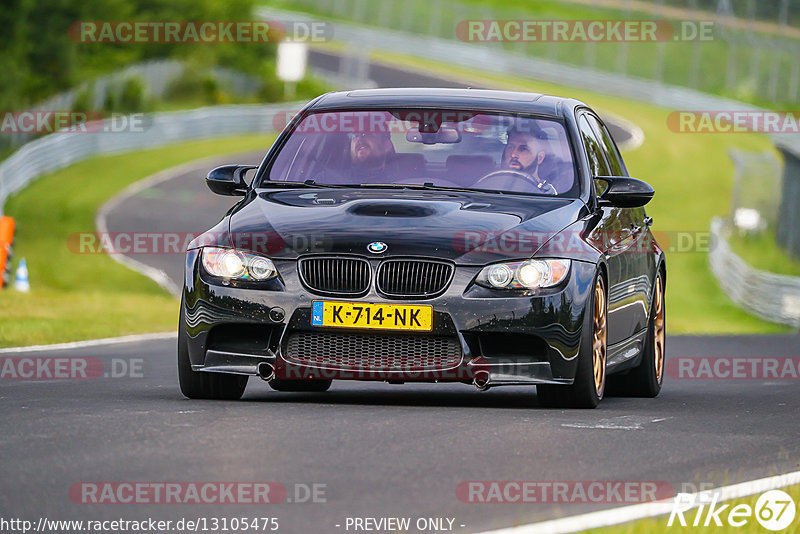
(483, 99)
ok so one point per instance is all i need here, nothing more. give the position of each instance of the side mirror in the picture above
(229, 180)
(623, 191)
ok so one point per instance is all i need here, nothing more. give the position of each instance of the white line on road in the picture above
(92, 342)
(623, 422)
(625, 514)
(155, 274)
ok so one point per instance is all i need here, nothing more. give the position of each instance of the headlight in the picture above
(230, 263)
(528, 274)
(499, 275)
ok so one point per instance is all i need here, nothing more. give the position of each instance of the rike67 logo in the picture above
(774, 510)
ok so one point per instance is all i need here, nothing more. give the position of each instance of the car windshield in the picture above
(429, 148)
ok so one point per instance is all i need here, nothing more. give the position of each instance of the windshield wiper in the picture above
(308, 183)
(428, 186)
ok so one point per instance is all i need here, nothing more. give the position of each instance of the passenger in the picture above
(369, 154)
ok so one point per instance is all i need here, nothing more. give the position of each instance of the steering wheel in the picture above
(542, 186)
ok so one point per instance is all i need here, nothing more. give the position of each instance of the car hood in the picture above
(466, 227)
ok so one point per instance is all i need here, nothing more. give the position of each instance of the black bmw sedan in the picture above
(430, 235)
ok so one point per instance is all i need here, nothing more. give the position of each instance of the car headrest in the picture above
(558, 172)
(404, 164)
(465, 170)
(466, 163)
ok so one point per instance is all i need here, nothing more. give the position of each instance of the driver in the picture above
(370, 153)
(524, 152)
(520, 163)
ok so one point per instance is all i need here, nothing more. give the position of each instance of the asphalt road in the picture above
(378, 449)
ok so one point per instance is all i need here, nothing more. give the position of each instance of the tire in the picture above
(305, 386)
(590, 377)
(201, 385)
(646, 378)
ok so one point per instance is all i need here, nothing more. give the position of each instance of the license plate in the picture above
(367, 315)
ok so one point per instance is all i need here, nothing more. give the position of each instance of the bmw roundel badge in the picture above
(377, 247)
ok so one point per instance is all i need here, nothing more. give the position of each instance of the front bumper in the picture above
(518, 340)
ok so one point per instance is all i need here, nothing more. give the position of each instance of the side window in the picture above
(610, 149)
(597, 163)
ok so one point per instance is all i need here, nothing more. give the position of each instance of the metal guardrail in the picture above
(756, 189)
(746, 52)
(155, 75)
(494, 59)
(58, 150)
(773, 297)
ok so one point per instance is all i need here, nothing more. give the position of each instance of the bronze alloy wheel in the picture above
(599, 337)
(659, 330)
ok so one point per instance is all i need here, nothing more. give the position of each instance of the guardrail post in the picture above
(789, 212)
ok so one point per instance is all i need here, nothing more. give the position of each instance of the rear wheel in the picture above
(300, 385)
(590, 378)
(201, 385)
(645, 379)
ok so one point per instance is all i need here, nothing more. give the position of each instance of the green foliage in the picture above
(132, 96)
(310, 87)
(84, 100)
(272, 88)
(41, 56)
(198, 86)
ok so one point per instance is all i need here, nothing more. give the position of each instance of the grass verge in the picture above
(762, 252)
(84, 296)
(658, 524)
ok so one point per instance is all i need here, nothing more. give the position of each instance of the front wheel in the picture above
(646, 378)
(200, 385)
(590, 377)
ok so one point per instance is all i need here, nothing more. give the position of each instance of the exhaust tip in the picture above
(266, 371)
(481, 380)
